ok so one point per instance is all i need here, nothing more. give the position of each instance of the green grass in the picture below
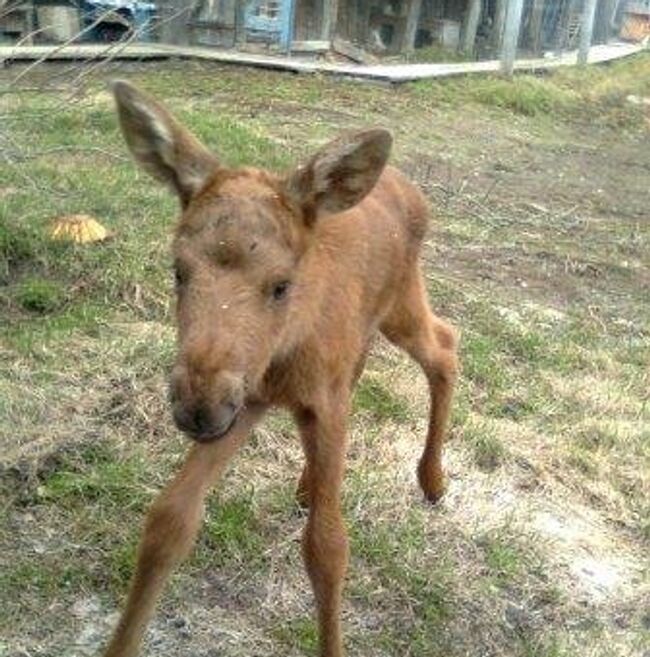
(487, 449)
(598, 94)
(551, 412)
(529, 96)
(99, 478)
(298, 633)
(374, 397)
(45, 577)
(232, 532)
(40, 295)
(503, 557)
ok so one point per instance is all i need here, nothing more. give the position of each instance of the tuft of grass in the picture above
(236, 143)
(583, 460)
(482, 362)
(597, 93)
(373, 397)
(117, 483)
(504, 558)
(298, 634)
(40, 295)
(488, 451)
(45, 577)
(232, 532)
(388, 549)
(120, 563)
(17, 244)
(526, 95)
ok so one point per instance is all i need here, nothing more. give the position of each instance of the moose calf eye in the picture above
(280, 290)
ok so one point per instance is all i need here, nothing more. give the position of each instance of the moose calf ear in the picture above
(341, 173)
(164, 148)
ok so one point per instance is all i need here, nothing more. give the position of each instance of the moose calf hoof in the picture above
(433, 484)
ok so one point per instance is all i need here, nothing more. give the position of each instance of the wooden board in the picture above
(382, 73)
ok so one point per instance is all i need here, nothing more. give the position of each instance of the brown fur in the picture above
(282, 282)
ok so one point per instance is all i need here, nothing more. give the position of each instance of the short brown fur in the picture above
(282, 283)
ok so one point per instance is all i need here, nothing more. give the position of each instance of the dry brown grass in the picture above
(540, 546)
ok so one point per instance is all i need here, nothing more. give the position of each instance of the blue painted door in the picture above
(271, 19)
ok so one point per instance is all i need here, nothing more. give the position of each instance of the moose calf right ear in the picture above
(341, 173)
(162, 147)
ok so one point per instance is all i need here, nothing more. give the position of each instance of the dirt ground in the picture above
(538, 252)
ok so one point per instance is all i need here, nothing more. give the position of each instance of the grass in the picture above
(599, 93)
(40, 295)
(375, 398)
(541, 266)
(299, 633)
(232, 532)
(488, 451)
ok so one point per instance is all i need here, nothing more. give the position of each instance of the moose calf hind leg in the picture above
(302, 490)
(438, 359)
(431, 342)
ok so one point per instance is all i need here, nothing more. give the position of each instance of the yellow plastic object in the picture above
(79, 228)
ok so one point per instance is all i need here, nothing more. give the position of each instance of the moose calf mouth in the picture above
(211, 436)
(197, 426)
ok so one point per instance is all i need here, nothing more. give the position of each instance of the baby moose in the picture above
(281, 283)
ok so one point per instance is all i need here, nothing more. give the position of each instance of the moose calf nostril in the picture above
(202, 420)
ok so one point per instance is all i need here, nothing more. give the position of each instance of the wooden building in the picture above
(356, 27)
(374, 25)
(389, 26)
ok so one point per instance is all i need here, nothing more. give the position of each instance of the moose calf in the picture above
(281, 283)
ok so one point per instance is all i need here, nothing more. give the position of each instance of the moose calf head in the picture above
(238, 250)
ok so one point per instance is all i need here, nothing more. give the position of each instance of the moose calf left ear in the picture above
(160, 144)
(340, 174)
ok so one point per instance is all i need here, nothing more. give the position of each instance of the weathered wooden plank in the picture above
(310, 46)
(389, 73)
(352, 52)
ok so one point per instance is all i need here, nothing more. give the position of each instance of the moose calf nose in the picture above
(205, 424)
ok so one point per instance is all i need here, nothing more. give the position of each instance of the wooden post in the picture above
(363, 25)
(240, 22)
(30, 23)
(511, 36)
(499, 22)
(412, 19)
(330, 15)
(470, 25)
(536, 24)
(175, 14)
(586, 30)
(287, 26)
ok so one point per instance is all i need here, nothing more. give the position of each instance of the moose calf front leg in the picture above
(325, 543)
(169, 533)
